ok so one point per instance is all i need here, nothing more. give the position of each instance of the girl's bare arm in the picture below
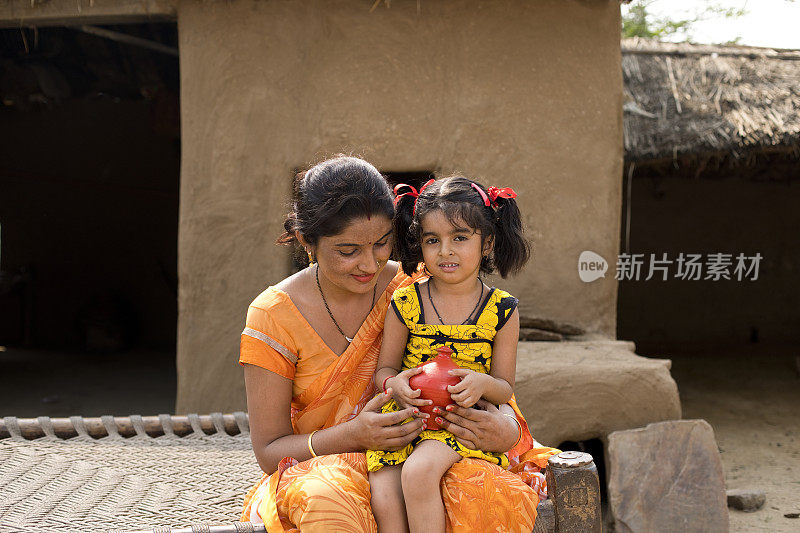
(395, 336)
(504, 361)
(497, 386)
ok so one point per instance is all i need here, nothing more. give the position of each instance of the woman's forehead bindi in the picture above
(364, 236)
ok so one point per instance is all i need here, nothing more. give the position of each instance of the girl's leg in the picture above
(387, 500)
(422, 474)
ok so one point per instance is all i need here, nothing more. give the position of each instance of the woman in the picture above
(309, 350)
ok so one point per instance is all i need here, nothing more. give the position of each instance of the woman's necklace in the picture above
(330, 314)
(470, 313)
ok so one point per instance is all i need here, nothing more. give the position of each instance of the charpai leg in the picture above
(574, 488)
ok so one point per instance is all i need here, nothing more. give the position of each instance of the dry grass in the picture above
(683, 99)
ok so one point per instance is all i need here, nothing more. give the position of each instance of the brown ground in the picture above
(37, 382)
(750, 395)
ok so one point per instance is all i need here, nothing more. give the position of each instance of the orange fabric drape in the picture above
(331, 493)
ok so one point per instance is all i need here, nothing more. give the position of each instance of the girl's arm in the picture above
(504, 360)
(497, 386)
(395, 337)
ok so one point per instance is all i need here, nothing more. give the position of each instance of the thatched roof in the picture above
(684, 99)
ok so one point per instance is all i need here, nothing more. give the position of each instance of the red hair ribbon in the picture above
(505, 192)
(413, 192)
(486, 201)
(494, 194)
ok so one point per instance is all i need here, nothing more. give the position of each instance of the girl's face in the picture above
(353, 259)
(452, 252)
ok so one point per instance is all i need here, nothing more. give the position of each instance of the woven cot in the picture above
(163, 473)
(89, 484)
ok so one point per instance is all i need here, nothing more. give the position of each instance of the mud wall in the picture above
(522, 94)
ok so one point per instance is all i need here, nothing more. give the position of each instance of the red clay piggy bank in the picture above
(433, 382)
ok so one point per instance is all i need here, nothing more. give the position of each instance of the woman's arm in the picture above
(268, 401)
(269, 396)
(487, 428)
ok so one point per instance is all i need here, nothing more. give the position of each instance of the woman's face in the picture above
(353, 259)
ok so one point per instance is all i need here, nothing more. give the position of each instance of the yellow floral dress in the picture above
(472, 348)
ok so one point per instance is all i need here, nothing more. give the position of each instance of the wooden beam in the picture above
(31, 428)
(130, 39)
(750, 53)
(26, 13)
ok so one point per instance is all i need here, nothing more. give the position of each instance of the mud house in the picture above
(712, 161)
(522, 94)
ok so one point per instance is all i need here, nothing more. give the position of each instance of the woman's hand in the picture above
(385, 431)
(482, 427)
(402, 393)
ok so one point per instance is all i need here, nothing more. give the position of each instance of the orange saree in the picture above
(331, 493)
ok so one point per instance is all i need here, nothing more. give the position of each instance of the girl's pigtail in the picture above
(511, 249)
(405, 245)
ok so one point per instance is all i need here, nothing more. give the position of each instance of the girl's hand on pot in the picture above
(469, 390)
(402, 391)
(482, 427)
(385, 431)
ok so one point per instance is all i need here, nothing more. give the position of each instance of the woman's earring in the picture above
(310, 257)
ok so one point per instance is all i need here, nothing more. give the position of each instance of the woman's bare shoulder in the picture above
(391, 269)
(295, 286)
(388, 276)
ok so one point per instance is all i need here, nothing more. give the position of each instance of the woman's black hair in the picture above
(331, 194)
(462, 204)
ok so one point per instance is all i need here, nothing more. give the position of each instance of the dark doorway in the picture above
(725, 236)
(414, 178)
(89, 181)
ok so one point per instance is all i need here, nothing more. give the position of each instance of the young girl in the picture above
(458, 229)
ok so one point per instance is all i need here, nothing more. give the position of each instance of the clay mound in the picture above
(580, 390)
